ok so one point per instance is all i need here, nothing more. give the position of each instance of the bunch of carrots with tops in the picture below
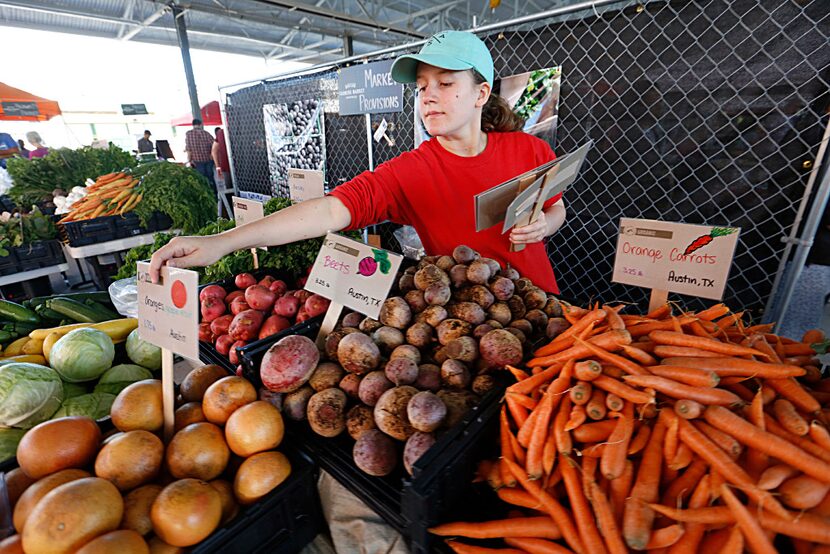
(111, 194)
(661, 433)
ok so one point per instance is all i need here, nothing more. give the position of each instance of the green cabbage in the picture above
(9, 438)
(118, 377)
(143, 353)
(82, 355)
(29, 394)
(71, 390)
(95, 405)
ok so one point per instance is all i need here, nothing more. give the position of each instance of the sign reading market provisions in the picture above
(168, 312)
(353, 274)
(305, 184)
(369, 88)
(676, 257)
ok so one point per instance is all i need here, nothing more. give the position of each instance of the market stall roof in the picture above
(19, 105)
(210, 116)
(310, 31)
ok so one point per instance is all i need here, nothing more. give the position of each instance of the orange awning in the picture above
(19, 105)
(210, 116)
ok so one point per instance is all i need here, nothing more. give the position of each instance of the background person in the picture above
(145, 144)
(40, 150)
(198, 144)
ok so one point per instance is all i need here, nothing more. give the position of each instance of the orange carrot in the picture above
(585, 523)
(549, 454)
(726, 367)
(612, 317)
(522, 400)
(725, 441)
(812, 336)
(535, 466)
(768, 443)
(639, 356)
(638, 518)
(613, 459)
(619, 490)
(595, 407)
(506, 448)
(682, 458)
(798, 349)
(536, 546)
(789, 418)
(819, 434)
(665, 537)
(756, 461)
(806, 445)
(623, 363)
(675, 389)
(611, 340)
(494, 476)
(687, 375)
(795, 393)
(587, 370)
(665, 351)
(713, 312)
(519, 374)
(527, 386)
(660, 312)
(712, 515)
(640, 440)
(564, 444)
(580, 393)
(724, 465)
(464, 548)
(590, 318)
(734, 543)
(803, 492)
(519, 498)
(595, 431)
(576, 418)
(751, 528)
(613, 402)
(559, 515)
(643, 329)
(541, 527)
(801, 525)
(773, 476)
(519, 453)
(688, 409)
(609, 384)
(670, 441)
(713, 345)
(605, 519)
(693, 531)
(517, 411)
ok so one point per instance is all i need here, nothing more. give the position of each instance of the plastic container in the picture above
(35, 255)
(111, 227)
(281, 523)
(440, 485)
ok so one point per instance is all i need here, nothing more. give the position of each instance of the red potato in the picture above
(221, 324)
(239, 305)
(266, 281)
(273, 325)
(287, 306)
(211, 308)
(233, 295)
(260, 298)
(302, 281)
(223, 344)
(316, 305)
(246, 325)
(302, 315)
(205, 333)
(212, 291)
(244, 280)
(278, 287)
(289, 363)
(302, 295)
(233, 356)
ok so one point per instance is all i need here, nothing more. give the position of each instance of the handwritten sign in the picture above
(168, 312)
(676, 257)
(353, 274)
(369, 88)
(246, 210)
(305, 184)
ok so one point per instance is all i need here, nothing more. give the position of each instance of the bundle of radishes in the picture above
(420, 367)
(253, 311)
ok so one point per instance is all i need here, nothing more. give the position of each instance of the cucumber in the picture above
(5, 336)
(16, 312)
(98, 296)
(76, 310)
(48, 313)
(102, 310)
(17, 327)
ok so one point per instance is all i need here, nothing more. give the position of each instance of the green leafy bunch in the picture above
(62, 168)
(25, 229)
(180, 192)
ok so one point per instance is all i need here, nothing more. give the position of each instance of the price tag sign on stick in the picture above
(168, 316)
(305, 184)
(674, 257)
(246, 210)
(351, 274)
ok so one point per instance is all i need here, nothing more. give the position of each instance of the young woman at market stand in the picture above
(477, 145)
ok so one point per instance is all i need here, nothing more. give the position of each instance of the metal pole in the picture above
(222, 100)
(184, 46)
(348, 45)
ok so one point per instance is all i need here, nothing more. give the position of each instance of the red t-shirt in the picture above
(433, 189)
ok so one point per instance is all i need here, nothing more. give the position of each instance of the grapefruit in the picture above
(186, 512)
(225, 396)
(198, 380)
(259, 475)
(131, 459)
(137, 509)
(29, 499)
(139, 407)
(255, 427)
(63, 443)
(122, 542)
(198, 451)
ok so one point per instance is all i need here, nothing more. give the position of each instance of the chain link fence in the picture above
(701, 112)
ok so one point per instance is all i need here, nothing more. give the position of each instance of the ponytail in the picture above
(496, 115)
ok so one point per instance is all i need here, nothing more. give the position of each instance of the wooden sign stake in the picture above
(658, 298)
(332, 316)
(256, 258)
(167, 397)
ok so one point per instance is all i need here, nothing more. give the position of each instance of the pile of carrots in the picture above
(111, 194)
(661, 433)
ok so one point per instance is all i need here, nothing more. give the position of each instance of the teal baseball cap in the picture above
(454, 50)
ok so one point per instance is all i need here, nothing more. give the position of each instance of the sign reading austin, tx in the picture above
(677, 257)
(369, 88)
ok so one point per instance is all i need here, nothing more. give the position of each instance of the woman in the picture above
(476, 146)
(34, 139)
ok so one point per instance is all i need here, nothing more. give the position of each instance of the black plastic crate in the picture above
(281, 523)
(111, 227)
(129, 225)
(441, 480)
(35, 255)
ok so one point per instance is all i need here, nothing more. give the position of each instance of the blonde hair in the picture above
(496, 115)
(34, 137)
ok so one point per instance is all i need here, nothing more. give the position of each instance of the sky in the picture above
(99, 74)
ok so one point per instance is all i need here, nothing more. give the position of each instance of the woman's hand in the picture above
(186, 252)
(533, 232)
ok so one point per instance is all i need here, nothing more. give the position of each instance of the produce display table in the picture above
(26, 277)
(114, 247)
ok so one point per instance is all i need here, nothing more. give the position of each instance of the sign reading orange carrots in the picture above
(677, 257)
